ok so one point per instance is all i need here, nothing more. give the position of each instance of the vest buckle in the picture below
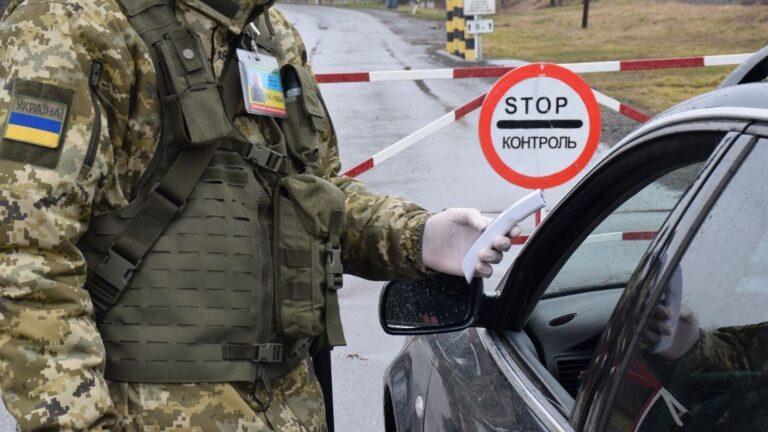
(268, 353)
(265, 158)
(109, 279)
(334, 270)
(257, 353)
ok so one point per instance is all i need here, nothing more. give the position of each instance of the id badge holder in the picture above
(262, 87)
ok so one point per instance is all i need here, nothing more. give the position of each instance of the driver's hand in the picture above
(686, 333)
(449, 234)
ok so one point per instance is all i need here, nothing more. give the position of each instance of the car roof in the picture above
(719, 109)
(753, 95)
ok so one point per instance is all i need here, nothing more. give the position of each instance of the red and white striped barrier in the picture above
(415, 137)
(462, 111)
(604, 237)
(498, 71)
(620, 107)
(650, 64)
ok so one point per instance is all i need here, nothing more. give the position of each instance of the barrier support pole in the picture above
(471, 41)
(449, 26)
(458, 28)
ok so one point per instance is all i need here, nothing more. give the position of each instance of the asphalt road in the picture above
(445, 170)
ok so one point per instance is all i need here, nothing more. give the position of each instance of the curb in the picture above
(456, 59)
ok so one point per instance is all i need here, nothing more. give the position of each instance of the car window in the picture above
(609, 255)
(703, 360)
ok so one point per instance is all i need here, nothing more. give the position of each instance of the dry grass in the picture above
(624, 29)
(655, 91)
(627, 29)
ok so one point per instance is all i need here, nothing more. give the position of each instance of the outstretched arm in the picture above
(385, 234)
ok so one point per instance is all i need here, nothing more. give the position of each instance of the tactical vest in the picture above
(225, 266)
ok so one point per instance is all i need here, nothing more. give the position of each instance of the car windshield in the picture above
(609, 255)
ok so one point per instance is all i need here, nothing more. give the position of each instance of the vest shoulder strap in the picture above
(194, 120)
(162, 203)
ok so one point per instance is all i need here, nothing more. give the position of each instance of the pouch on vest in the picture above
(309, 223)
(306, 114)
(194, 119)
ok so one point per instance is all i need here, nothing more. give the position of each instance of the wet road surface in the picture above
(445, 170)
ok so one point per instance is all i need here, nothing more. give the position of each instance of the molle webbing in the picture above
(161, 206)
(177, 277)
(191, 311)
(191, 101)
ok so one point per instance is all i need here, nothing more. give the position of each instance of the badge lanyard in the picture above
(260, 79)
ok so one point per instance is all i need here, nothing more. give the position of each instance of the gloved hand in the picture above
(686, 333)
(449, 234)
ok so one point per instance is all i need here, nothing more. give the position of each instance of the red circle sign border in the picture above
(515, 76)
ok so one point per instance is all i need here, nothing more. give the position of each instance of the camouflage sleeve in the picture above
(51, 355)
(722, 356)
(728, 349)
(383, 237)
(384, 233)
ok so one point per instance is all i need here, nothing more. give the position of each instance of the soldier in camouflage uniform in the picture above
(718, 375)
(55, 181)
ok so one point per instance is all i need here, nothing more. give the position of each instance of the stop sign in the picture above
(539, 126)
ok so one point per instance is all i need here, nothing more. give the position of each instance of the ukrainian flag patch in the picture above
(35, 121)
(34, 128)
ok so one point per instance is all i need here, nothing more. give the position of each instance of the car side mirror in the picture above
(436, 305)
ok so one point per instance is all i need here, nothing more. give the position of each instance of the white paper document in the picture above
(507, 220)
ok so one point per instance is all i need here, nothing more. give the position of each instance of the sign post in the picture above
(478, 26)
(540, 126)
(479, 37)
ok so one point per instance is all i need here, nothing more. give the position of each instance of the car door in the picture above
(590, 213)
(711, 268)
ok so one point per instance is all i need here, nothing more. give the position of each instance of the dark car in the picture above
(640, 303)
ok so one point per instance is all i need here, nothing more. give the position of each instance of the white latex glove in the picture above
(686, 334)
(449, 234)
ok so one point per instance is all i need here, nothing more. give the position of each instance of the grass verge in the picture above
(628, 29)
(620, 30)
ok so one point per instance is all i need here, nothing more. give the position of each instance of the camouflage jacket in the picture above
(56, 174)
(722, 381)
